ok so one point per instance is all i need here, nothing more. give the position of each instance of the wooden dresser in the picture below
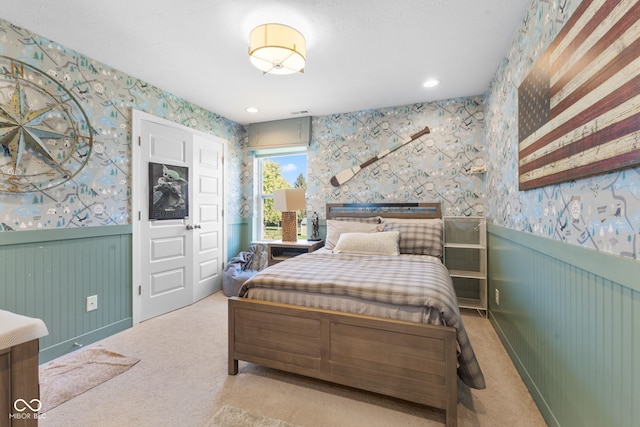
(19, 377)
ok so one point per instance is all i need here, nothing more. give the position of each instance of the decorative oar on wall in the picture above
(344, 176)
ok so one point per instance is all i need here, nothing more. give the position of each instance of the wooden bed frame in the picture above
(406, 360)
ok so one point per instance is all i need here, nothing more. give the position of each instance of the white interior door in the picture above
(208, 205)
(177, 261)
(166, 246)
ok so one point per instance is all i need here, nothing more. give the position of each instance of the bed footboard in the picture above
(405, 360)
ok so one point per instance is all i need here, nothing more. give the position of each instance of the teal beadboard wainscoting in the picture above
(49, 274)
(239, 236)
(569, 318)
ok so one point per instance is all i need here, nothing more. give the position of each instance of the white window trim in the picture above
(258, 195)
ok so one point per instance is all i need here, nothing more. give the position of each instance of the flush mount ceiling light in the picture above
(431, 83)
(277, 49)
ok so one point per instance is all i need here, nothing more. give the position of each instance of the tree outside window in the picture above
(277, 172)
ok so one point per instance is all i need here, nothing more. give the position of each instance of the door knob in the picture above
(197, 226)
(189, 227)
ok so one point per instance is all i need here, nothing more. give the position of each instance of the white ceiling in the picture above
(361, 54)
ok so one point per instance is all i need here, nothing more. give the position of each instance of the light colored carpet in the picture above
(230, 416)
(75, 373)
(182, 379)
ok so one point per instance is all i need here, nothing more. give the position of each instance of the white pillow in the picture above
(336, 228)
(383, 243)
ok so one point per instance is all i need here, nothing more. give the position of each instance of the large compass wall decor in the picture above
(44, 132)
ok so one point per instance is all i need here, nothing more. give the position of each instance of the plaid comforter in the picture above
(407, 280)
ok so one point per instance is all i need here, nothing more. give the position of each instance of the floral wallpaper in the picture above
(100, 194)
(601, 212)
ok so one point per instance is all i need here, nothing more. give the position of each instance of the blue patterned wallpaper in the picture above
(435, 167)
(99, 195)
(602, 212)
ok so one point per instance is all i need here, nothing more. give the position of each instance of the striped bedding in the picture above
(407, 287)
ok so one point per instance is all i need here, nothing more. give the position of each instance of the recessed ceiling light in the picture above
(252, 110)
(431, 83)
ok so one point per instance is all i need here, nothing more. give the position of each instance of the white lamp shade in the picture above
(289, 200)
(277, 49)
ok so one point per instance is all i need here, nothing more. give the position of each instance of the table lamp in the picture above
(289, 201)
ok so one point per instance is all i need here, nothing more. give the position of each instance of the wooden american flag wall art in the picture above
(579, 107)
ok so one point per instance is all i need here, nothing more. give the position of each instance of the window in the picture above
(275, 170)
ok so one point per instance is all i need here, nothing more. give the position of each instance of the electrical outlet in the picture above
(497, 297)
(92, 303)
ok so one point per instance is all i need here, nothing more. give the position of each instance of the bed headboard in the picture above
(387, 210)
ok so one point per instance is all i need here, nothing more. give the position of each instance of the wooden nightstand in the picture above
(279, 251)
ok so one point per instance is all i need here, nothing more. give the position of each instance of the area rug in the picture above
(73, 374)
(230, 416)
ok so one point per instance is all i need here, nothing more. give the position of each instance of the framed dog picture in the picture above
(168, 191)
